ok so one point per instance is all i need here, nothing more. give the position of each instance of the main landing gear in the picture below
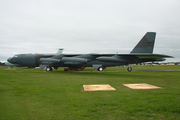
(129, 69)
(49, 69)
(74, 68)
(101, 69)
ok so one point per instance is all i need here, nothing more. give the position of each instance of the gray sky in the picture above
(87, 26)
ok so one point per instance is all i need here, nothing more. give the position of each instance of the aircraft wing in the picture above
(98, 55)
(136, 55)
(131, 58)
(147, 55)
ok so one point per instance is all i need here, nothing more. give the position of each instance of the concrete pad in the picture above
(141, 86)
(97, 87)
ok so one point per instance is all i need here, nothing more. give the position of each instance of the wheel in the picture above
(100, 69)
(48, 69)
(82, 68)
(129, 69)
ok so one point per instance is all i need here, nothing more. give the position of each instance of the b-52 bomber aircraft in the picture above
(142, 52)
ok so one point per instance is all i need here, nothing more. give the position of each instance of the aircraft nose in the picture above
(6, 63)
(11, 60)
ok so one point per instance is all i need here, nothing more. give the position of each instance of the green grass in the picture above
(35, 94)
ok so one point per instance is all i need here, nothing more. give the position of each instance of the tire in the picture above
(129, 69)
(100, 69)
(49, 69)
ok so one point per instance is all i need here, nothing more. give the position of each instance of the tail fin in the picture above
(59, 51)
(146, 44)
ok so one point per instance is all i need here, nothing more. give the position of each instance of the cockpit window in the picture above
(15, 56)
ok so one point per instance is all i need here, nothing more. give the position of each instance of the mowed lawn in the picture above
(35, 94)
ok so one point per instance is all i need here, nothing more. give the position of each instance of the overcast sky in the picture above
(87, 26)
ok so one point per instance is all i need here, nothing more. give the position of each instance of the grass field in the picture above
(35, 94)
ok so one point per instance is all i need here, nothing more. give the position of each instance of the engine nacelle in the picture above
(49, 61)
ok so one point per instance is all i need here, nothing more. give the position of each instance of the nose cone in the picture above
(9, 64)
(12, 60)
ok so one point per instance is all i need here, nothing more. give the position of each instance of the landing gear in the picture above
(100, 69)
(49, 69)
(74, 68)
(129, 69)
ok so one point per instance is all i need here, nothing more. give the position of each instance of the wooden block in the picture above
(97, 87)
(141, 86)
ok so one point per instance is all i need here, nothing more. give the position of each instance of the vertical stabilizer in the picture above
(146, 44)
(59, 51)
